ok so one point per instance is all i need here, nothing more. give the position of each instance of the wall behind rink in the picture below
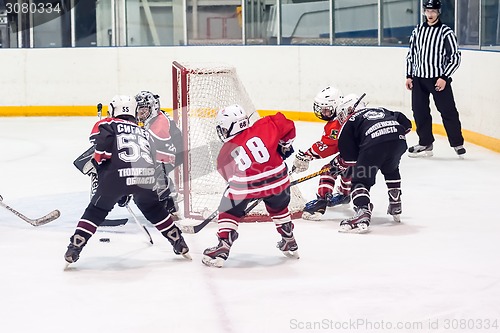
(71, 81)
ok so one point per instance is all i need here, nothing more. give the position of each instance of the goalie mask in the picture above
(148, 106)
(346, 107)
(325, 103)
(230, 121)
(122, 106)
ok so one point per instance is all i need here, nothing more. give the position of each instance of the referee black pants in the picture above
(445, 103)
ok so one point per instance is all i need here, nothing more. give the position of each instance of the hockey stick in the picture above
(193, 229)
(34, 222)
(141, 226)
(357, 102)
(99, 110)
(292, 183)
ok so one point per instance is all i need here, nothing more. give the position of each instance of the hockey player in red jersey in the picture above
(252, 162)
(371, 139)
(324, 107)
(125, 161)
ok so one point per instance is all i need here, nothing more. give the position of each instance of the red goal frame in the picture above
(181, 109)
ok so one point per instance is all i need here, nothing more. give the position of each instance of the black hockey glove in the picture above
(285, 148)
(285, 152)
(338, 165)
(124, 200)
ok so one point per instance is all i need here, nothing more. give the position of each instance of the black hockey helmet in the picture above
(432, 4)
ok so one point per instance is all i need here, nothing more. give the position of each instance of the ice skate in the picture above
(287, 244)
(77, 242)
(420, 151)
(460, 150)
(337, 199)
(394, 207)
(314, 209)
(217, 255)
(359, 223)
(174, 236)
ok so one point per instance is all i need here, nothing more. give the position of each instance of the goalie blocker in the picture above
(84, 161)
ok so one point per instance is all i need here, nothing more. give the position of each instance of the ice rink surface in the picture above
(437, 271)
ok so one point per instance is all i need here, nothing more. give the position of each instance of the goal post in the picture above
(199, 91)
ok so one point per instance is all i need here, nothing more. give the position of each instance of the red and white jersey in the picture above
(168, 141)
(329, 144)
(250, 161)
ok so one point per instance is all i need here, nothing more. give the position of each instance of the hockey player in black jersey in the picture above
(169, 144)
(370, 140)
(126, 161)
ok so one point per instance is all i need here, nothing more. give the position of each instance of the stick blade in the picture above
(114, 222)
(191, 226)
(47, 218)
(187, 229)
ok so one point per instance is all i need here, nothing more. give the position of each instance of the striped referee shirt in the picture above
(433, 52)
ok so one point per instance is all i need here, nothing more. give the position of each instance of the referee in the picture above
(432, 58)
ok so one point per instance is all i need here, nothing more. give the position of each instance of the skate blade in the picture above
(340, 204)
(361, 229)
(397, 218)
(217, 262)
(291, 254)
(311, 217)
(421, 154)
(187, 256)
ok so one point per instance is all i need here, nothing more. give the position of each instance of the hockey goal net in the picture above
(199, 91)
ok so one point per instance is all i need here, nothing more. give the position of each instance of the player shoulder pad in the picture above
(160, 128)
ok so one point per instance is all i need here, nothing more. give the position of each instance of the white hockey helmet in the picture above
(148, 106)
(123, 105)
(230, 121)
(347, 107)
(325, 103)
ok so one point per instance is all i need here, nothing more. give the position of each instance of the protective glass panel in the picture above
(490, 24)
(150, 23)
(398, 20)
(468, 33)
(356, 22)
(214, 24)
(304, 22)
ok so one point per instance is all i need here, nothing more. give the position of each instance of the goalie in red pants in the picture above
(252, 162)
(325, 104)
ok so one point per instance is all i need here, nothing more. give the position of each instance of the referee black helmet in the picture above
(432, 4)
